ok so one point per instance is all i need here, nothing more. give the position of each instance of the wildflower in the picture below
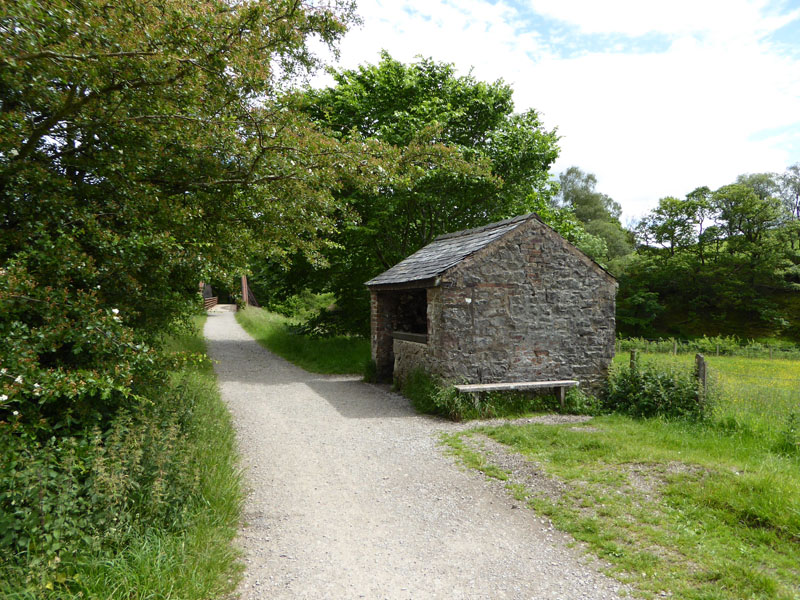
(15, 413)
(18, 379)
(3, 398)
(3, 371)
(115, 311)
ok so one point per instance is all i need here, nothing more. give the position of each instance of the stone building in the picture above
(509, 302)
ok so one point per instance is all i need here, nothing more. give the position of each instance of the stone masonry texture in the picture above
(527, 307)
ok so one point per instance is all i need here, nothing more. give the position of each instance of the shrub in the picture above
(88, 492)
(649, 390)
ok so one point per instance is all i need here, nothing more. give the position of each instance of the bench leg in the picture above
(562, 394)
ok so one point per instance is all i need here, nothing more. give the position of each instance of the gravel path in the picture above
(351, 496)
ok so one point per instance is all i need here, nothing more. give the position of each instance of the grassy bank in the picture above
(676, 508)
(339, 354)
(145, 510)
(692, 510)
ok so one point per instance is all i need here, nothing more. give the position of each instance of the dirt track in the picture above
(351, 496)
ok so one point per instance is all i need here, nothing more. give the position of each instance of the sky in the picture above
(655, 98)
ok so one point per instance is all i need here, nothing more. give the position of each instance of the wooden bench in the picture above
(478, 388)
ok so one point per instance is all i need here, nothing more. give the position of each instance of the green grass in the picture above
(674, 507)
(198, 561)
(194, 561)
(340, 354)
(705, 510)
(754, 396)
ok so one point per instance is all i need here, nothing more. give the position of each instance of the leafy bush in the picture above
(77, 505)
(67, 496)
(649, 390)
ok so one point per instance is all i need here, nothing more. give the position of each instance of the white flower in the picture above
(115, 311)
(15, 413)
(3, 398)
(36, 385)
(18, 379)
(3, 371)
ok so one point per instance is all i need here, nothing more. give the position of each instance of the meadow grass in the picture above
(333, 355)
(754, 396)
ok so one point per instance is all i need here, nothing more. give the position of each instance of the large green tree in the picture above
(462, 158)
(145, 146)
(714, 262)
(598, 212)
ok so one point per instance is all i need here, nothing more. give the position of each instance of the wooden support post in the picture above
(674, 347)
(700, 372)
(717, 349)
(562, 393)
(634, 358)
(770, 352)
(245, 292)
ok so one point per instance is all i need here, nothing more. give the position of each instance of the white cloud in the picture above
(648, 125)
(723, 18)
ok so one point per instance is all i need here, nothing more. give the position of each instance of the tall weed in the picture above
(651, 389)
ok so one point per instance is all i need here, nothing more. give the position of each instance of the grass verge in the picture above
(676, 508)
(333, 355)
(172, 487)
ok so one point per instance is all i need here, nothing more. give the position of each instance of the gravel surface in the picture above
(351, 496)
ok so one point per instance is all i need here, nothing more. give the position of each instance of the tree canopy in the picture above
(145, 146)
(462, 158)
(598, 213)
(714, 262)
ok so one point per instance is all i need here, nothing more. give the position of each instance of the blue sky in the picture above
(656, 98)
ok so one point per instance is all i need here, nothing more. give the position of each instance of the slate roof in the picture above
(445, 252)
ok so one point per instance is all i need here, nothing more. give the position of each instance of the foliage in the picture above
(717, 345)
(145, 147)
(715, 262)
(73, 506)
(461, 158)
(598, 213)
(651, 389)
(279, 334)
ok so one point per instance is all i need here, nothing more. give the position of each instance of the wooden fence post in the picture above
(700, 372)
(674, 347)
(245, 291)
(634, 354)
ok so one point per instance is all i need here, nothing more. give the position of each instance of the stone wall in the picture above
(529, 307)
(382, 307)
(409, 356)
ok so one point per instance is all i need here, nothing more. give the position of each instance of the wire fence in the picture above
(720, 346)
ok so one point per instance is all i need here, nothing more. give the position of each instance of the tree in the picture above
(144, 147)
(462, 158)
(598, 212)
(789, 190)
(713, 277)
